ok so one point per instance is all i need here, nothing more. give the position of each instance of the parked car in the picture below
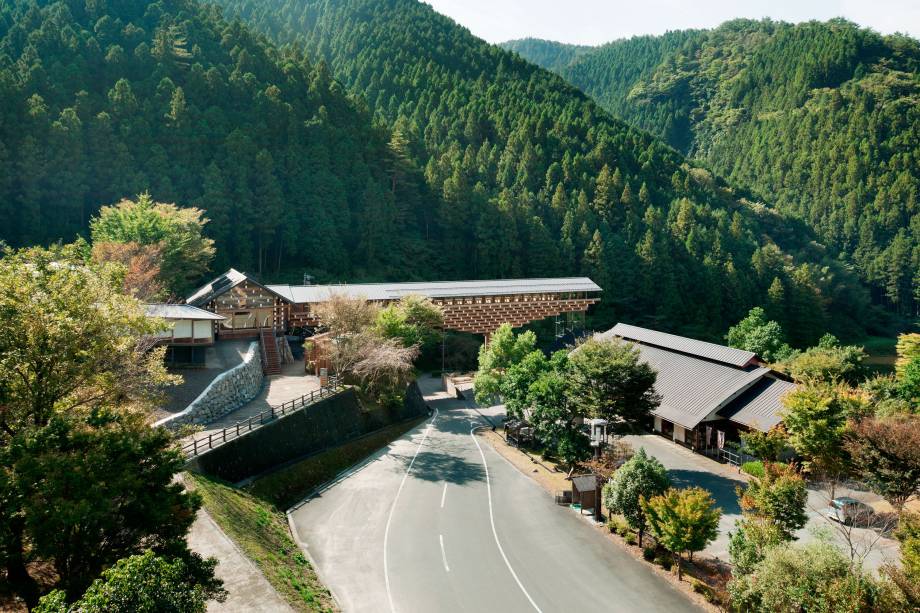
(850, 511)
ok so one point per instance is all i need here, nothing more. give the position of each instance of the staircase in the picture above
(271, 361)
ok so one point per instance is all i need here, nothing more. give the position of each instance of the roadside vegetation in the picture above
(261, 530)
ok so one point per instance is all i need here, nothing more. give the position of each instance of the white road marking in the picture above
(443, 554)
(444, 494)
(386, 531)
(492, 521)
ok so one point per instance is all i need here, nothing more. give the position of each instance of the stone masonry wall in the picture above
(227, 392)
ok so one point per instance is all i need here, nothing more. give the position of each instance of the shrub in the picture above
(755, 469)
(664, 560)
(630, 538)
(648, 553)
(702, 588)
(618, 525)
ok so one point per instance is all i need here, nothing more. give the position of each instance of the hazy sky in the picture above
(598, 21)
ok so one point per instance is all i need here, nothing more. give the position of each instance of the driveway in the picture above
(438, 521)
(687, 468)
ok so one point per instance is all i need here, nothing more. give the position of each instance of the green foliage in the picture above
(504, 349)
(908, 350)
(754, 99)
(109, 478)
(909, 387)
(828, 362)
(177, 232)
(816, 577)
(554, 417)
(683, 520)
(755, 333)
(908, 534)
(815, 417)
(609, 380)
(765, 445)
(414, 320)
(755, 468)
(517, 380)
(514, 164)
(777, 498)
(749, 543)
(146, 583)
(69, 339)
(640, 477)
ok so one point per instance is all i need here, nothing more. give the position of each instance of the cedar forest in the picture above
(378, 140)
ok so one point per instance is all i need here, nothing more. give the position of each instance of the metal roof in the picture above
(691, 387)
(702, 349)
(179, 311)
(585, 483)
(759, 406)
(435, 289)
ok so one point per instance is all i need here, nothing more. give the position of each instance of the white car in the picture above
(850, 511)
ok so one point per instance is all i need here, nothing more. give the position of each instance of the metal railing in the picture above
(217, 438)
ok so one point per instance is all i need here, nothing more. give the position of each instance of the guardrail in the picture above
(217, 438)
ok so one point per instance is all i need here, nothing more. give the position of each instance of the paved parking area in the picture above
(687, 469)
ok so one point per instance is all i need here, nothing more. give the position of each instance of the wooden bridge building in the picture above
(479, 307)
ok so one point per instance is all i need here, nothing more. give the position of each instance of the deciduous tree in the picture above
(609, 380)
(682, 520)
(642, 476)
(886, 453)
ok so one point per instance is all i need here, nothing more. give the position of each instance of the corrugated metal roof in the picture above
(709, 351)
(179, 311)
(435, 289)
(760, 406)
(692, 387)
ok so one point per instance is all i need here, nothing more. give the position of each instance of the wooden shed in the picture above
(584, 491)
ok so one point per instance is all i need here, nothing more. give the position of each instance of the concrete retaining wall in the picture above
(227, 392)
(325, 424)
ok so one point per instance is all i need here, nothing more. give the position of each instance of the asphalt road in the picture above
(438, 521)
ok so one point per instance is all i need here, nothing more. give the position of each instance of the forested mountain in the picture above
(470, 162)
(822, 119)
(549, 54)
(100, 101)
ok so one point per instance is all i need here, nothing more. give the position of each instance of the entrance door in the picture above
(667, 428)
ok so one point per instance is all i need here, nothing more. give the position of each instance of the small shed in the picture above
(584, 491)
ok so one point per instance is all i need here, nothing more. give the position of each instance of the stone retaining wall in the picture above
(227, 392)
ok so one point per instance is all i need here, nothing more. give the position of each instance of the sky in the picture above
(592, 22)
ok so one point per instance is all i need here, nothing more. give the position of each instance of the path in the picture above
(292, 383)
(248, 589)
(438, 521)
(687, 468)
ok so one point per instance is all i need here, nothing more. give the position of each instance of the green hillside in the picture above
(822, 119)
(99, 101)
(383, 141)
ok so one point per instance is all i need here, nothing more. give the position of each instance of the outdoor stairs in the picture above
(271, 360)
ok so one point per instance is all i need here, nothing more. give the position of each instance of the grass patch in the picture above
(262, 533)
(292, 484)
(755, 468)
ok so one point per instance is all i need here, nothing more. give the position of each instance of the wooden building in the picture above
(709, 392)
(190, 333)
(469, 306)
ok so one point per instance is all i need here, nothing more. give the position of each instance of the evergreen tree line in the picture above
(820, 119)
(381, 141)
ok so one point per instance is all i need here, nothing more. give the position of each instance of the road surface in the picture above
(438, 521)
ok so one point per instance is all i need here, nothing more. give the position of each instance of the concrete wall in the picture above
(227, 392)
(323, 425)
